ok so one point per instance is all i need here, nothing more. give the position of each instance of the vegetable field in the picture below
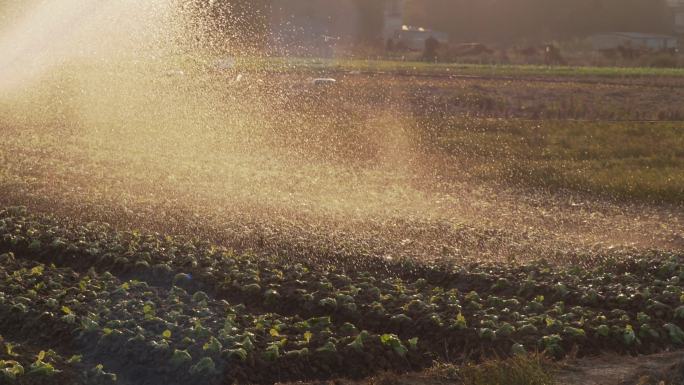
(91, 304)
(190, 225)
(179, 205)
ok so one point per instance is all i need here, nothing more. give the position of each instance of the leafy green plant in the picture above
(11, 369)
(212, 346)
(41, 368)
(676, 334)
(394, 342)
(100, 376)
(204, 367)
(180, 357)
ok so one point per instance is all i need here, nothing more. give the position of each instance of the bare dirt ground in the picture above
(276, 167)
(657, 369)
(664, 368)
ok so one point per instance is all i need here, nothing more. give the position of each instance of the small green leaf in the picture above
(9, 348)
(603, 330)
(328, 347)
(204, 367)
(676, 334)
(42, 369)
(213, 345)
(518, 350)
(240, 354)
(11, 369)
(461, 321)
(272, 352)
(413, 342)
(38, 270)
(75, 359)
(180, 357)
(628, 336)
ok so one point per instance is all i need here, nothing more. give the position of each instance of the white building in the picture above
(677, 7)
(612, 40)
(414, 38)
(410, 37)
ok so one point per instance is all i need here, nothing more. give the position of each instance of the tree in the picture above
(371, 23)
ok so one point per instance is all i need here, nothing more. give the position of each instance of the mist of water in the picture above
(113, 111)
(44, 34)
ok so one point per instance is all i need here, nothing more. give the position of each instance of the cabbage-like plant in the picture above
(676, 334)
(518, 350)
(180, 357)
(11, 369)
(679, 312)
(460, 322)
(628, 336)
(505, 330)
(213, 346)
(574, 332)
(394, 342)
(551, 344)
(41, 368)
(357, 343)
(99, 376)
(603, 330)
(204, 367)
(272, 352)
(328, 347)
(239, 354)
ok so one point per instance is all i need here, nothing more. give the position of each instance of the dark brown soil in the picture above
(657, 369)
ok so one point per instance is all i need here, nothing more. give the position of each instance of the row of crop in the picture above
(182, 338)
(530, 306)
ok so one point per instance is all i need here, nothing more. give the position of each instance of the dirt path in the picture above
(657, 369)
(619, 370)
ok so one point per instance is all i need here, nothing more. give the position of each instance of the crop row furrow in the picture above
(633, 304)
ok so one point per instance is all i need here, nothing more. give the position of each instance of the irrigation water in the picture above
(110, 112)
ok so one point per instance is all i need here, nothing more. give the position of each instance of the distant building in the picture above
(401, 35)
(677, 9)
(413, 38)
(321, 27)
(637, 40)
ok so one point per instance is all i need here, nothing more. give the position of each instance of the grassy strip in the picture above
(524, 369)
(318, 64)
(623, 160)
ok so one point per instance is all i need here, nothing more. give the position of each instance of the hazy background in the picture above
(249, 23)
(504, 21)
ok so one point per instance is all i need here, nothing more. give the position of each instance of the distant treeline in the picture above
(501, 21)
(515, 20)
